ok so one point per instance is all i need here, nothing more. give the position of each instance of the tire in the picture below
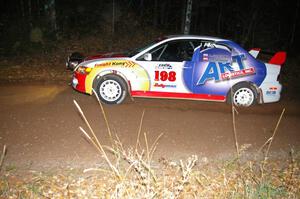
(243, 95)
(111, 89)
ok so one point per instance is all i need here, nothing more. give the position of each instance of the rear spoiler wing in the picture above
(278, 58)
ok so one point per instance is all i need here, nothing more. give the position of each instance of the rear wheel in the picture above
(242, 94)
(111, 89)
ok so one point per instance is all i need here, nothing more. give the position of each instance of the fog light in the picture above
(88, 70)
(74, 82)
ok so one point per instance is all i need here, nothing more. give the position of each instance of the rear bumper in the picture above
(271, 92)
(78, 82)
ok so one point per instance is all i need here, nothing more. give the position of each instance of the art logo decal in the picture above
(213, 71)
(220, 71)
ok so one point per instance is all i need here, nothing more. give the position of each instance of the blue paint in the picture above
(211, 73)
(203, 75)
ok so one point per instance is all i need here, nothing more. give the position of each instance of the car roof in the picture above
(194, 37)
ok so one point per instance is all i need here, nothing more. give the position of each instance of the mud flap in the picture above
(260, 99)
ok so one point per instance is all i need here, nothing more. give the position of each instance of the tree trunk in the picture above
(155, 13)
(293, 31)
(220, 18)
(141, 8)
(29, 14)
(22, 8)
(51, 15)
(188, 17)
(183, 15)
(248, 30)
(113, 18)
(162, 13)
(38, 8)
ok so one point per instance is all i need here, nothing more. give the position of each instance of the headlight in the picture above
(84, 70)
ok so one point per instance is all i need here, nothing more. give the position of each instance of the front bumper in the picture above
(78, 82)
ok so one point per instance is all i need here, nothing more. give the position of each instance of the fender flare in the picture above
(259, 98)
(112, 72)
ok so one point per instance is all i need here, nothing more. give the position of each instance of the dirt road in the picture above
(39, 125)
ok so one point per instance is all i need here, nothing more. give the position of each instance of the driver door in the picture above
(164, 65)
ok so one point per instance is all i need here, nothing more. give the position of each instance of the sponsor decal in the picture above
(164, 85)
(205, 57)
(271, 93)
(164, 66)
(122, 64)
(239, 73)
(216, 57)
(164, 76)
(220, 71)
(205, 45)
(273, 88)
(103, 64)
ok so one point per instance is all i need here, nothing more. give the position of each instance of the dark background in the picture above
(271, 25)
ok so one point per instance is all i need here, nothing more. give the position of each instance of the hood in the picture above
(105, 55)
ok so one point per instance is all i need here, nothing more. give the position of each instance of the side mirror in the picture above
(148, 57)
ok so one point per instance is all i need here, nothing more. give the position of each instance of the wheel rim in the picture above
(243, 97)
(110, 90)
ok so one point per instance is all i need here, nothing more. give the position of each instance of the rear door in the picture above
(212, 70)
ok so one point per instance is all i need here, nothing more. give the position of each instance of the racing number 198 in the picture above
(164, 76)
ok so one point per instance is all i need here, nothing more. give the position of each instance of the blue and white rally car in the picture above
(182, 67)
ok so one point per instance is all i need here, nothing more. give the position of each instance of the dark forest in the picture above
(270, 25)
(45, 32)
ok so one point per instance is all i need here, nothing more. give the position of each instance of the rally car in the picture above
(181, 67)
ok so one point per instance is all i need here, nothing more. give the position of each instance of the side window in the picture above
(171, 53)
(176, 51)
(157, 52)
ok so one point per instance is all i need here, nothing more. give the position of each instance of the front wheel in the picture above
(242, 95)
(111, 89)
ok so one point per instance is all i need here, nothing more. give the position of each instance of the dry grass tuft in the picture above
(132, 173)
(173, 179)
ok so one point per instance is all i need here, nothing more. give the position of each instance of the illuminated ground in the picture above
(39, 125)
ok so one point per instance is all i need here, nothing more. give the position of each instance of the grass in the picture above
(173, 179)
(131, 172)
